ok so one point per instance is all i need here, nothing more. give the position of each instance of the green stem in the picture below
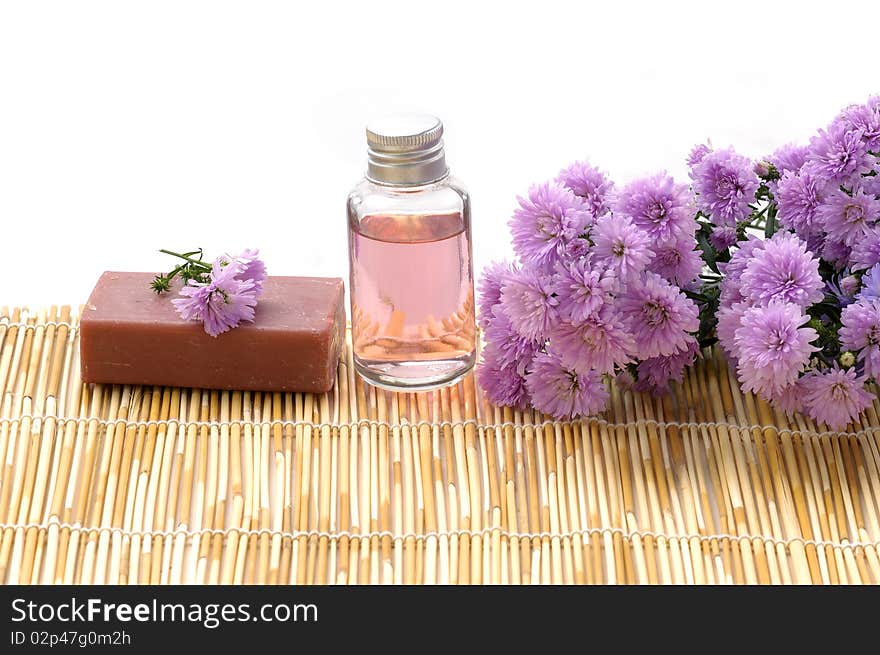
(186, 257)
(757, 217)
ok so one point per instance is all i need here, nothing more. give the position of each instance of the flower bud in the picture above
(762, 168)
(847, 359)
(850, 285)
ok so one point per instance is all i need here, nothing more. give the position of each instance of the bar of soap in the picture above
(129, 335)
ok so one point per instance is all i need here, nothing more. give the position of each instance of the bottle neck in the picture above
(406, 167)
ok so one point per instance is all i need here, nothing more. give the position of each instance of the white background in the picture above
(126, 127)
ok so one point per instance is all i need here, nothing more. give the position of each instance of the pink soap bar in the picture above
(129, 335)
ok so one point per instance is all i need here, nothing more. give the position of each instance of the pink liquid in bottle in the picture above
(412, 299)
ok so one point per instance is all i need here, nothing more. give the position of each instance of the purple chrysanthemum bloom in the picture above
(697, 153)
(870, 284)
(223, 302)
(677, 260)
(783, 270)
(866, 251)
(659, 316)
(733, 270)
(860, 331)
(583, 288)
(547, 225)
(846, 218)
(508, 348)
(871, 185)
(789, 157)
(772, 346)
(252, 267)
(563, 393)
(589, 183)
(527, 299)
(722, 237)
(725, 185)
(656, 373)
(838, 154)
(740, 259)
(658, 206)
(788, 399)
(620, 245)
(866, 119)
(600, 342)
(798, 196)
(815, 240)
(503, 385)
(835, 252)
(729, 321)
(489, 289)
(834, 396)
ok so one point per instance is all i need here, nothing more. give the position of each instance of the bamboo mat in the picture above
(113, 484)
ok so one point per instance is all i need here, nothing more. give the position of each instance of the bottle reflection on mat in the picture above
(412, 298)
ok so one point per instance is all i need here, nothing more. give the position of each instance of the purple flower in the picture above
(722, 237)
(725, 184)
(527, 298)
(835, 251)
(798, 197)
(729, 321)
(489, 288)
(849, 286)
(761, 168)
(842, 287)
(815, 240)
(846, 218)
(589, 183)
(223, 302)
(870, 284)
(866, 120)
(624, 380)
(871, 185)
(834, 396)
(866, 251)
(503, 385)
(789, 157)
(562, 392)
(861, 332)
(659, 316)
(782, 270)
(658, 206)
(547, 225)
(601, 342)
(656, 373)
(697, 153)
(252, 267)
(734, 269)
(788, 399)
(677, 260)
(506, 347)
(621, 246)
(838, 154)
(772, 347)
(582, 288)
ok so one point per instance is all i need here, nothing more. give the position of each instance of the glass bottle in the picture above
(411, 276)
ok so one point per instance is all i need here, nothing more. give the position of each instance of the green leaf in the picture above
(771, 226)
(710, 255)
